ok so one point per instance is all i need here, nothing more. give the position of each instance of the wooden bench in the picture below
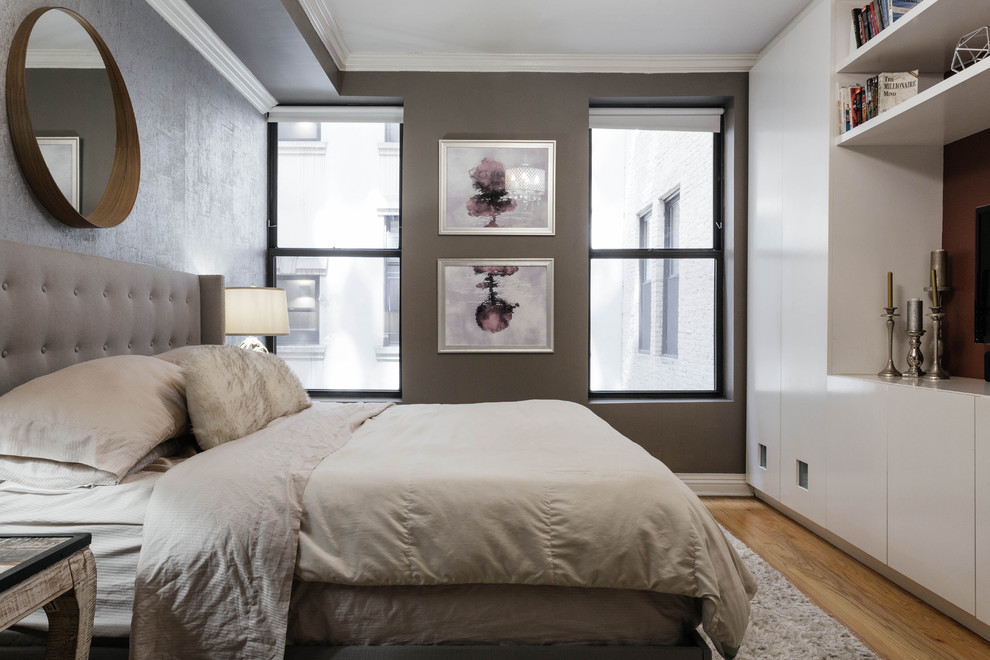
(57, 573)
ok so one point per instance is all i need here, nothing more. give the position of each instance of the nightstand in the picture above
(57, 573)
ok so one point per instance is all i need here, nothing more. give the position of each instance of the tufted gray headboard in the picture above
(58, 308)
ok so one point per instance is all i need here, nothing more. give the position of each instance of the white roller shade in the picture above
(341, 113)
(706, 120)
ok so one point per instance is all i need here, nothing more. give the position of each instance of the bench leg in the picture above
(70, 616)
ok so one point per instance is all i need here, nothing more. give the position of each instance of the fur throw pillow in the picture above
(232, 392)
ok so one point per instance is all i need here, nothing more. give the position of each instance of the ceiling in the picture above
(292, 52)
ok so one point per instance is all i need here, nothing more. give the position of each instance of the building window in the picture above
(300, 131)
(302, 293)
(671, 282)
(656, 258)
(645, 286)
(390, 331)
(335, 247)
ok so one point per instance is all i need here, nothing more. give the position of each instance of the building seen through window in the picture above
(336, 250)
(656, 254)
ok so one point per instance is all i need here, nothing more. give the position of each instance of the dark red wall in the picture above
(966, 187)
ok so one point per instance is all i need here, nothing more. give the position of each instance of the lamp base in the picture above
(254, 344)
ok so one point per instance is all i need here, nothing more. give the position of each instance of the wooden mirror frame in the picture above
(121, 191)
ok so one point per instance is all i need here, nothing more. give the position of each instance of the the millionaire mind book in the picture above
(895, 88)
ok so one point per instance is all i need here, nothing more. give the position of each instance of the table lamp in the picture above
(252, 310)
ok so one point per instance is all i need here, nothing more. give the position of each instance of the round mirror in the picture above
(71, 120)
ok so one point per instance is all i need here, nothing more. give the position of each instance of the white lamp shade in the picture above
(254, 310)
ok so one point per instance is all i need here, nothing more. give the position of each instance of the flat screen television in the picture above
(982, 297)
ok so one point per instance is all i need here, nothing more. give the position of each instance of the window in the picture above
(656, 257)
(645, 286)
(335, 246)
(390, 336)
(671, 283)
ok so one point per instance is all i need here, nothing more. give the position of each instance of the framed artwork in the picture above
(497, 186)
(61, 155)
(495, 305)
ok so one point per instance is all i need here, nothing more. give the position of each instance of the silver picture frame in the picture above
(495, 305)
(497, 187)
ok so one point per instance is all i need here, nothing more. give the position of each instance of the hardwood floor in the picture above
(891, 622)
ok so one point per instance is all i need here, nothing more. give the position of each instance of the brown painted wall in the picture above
(697, 436)
(966, 187)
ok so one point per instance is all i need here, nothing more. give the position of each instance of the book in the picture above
(844, 107)
(900, 7)
(869, 20)
(856, 103)
(895, 88)
(875, 24)
(851, 98)
(860, 102)
(884, 7)
(872, 96)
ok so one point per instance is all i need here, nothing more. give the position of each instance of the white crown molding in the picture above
(717, 484)
(505, 62)
(327, 30)
(62, 58)
(194, 29)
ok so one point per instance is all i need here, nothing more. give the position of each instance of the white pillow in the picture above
(90, 423)
(232, 392)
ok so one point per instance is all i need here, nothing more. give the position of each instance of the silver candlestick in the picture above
(890, 371)
(943, 291)
(937, 372)
(914, 357)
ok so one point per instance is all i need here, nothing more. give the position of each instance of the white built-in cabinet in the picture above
(857, 464)
(900, 470)
(788, 169)
(982, 475)
(906, 480)
(931, 494)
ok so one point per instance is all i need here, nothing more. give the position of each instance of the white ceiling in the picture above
(399, 30)
(277, 51)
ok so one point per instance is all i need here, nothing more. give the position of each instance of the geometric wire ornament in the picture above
(971, 48)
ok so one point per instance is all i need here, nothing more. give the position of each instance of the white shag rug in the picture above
(785, 625)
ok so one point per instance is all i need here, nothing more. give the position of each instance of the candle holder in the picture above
(914, 357)
(937, 372)
(943, 291)
(890, 371)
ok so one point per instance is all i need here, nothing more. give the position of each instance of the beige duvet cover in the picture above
(527, 493)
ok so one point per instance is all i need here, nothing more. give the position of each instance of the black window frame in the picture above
(273, 252)
(716, 253)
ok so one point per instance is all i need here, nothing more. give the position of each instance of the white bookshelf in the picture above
(922, 39)
(925, 39)
(944, 113)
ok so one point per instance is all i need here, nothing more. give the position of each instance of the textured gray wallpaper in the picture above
(201, 206)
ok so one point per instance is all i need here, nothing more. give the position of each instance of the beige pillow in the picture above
(180, 355)
(89, 423)
(232, 392)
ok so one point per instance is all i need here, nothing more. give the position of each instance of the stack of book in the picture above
(868, 21)
(858, 103)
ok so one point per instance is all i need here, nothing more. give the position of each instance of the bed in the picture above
(320, 529)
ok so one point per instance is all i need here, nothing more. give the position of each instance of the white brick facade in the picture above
(658, 165)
